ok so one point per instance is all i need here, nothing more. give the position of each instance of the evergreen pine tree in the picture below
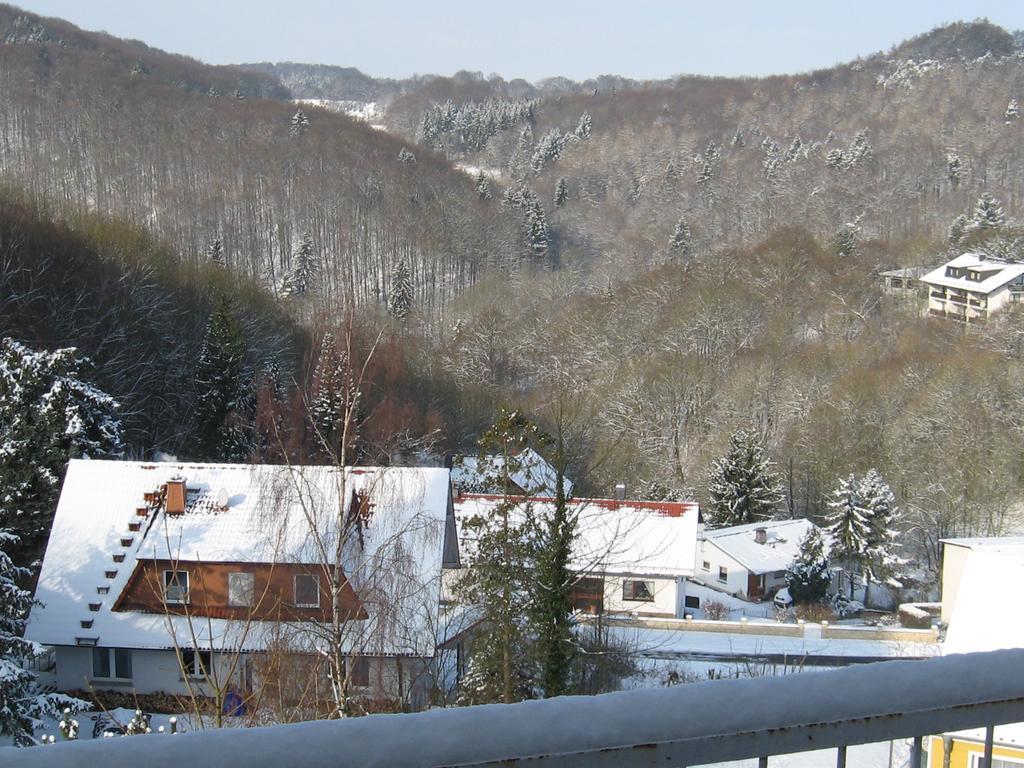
(737, 140)
(561, 192)
(958, 231)
(405, 156)
(500, 583)
(849, 527)
(808, 576)
(48, 414)
(215, 252)
(1012, 111)
(300, 280)
(400, 298)
(584, 126)
(988, 213)
(743, 486)
(334, 394)
(680, 243)
(22, 704)
(220, 378)
(483, 186)
(879, 502)
(299, 123)
(954, 169)
(844, 243)
(552, 605)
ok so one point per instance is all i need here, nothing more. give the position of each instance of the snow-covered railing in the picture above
(686, 725)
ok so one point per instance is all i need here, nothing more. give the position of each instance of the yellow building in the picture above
(967, 748)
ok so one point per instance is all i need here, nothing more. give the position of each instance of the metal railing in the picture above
(686, 725)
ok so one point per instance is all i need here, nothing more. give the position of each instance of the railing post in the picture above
(841, 756)
(915, 753)
(762, 761)
(990, 733)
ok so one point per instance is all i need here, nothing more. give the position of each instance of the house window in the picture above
(723, 574)
(307, 591)
(176, 587)
(638, 591)
(112, 663)
(692, 601)
(359, 671)
(195, 663)
(977, 759)
(706, 565)
(241, 589)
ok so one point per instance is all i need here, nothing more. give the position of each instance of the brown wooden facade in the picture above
(273, 595)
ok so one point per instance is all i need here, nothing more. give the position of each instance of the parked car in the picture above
(783, 599)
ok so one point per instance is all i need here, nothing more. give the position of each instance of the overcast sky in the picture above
(529, 38)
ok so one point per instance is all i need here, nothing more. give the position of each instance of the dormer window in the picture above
(952, 272)
(176, 587)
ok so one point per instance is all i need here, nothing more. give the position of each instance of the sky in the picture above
(533, 39)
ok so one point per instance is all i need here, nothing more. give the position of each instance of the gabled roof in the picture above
(778, 551)
(996, 273)
(534, 474)
(907, 272)
(1010, 544)
(236, 513)
(642, 538)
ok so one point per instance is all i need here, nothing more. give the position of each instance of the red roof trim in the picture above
(667, 508)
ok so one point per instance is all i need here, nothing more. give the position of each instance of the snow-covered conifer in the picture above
(988, 213)
(844, 242)
(561, 192)
(405, 156)
(584, 126)
(958, 230)
(835, 158)
(400, 297)
(48, 414)
(1012, 111)
(549, 148)
(221, 387)
(299, 123)
(849, 526)
(743, 485)
(808, 576)
(300, 279)
(22, 703)
(680, 242)
(954, 168)
(215, 252)
(483, 186)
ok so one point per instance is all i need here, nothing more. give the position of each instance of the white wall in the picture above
(666, 596)
(157, 671)
(736, 579)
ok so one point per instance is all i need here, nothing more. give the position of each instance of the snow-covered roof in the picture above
(641, 538)
(982, 618)
(533, 473)
(995, 274)
(781, 545)
(990, 543)
(236, 513)
(906, 272)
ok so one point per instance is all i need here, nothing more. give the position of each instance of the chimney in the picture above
(761, 535)
(620, 492)
(174, 496)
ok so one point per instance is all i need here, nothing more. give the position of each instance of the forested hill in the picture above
(895, 145)
(105, 124)
(132, 57)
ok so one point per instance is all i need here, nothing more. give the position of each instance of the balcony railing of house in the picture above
(685, 725)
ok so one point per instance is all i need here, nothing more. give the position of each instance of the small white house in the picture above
(630, 557)
(176, 577)
(955, 556)
(971, 287)
(750, 561)
(532, 475)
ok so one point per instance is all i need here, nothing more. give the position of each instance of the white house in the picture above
(903, 282)
(631, 557)
(971, 287)
(955, 555)
(532, 475)
(750, 561)
(158, 577)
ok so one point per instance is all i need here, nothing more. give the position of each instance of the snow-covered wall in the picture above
(666, 597)
(725, 718)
